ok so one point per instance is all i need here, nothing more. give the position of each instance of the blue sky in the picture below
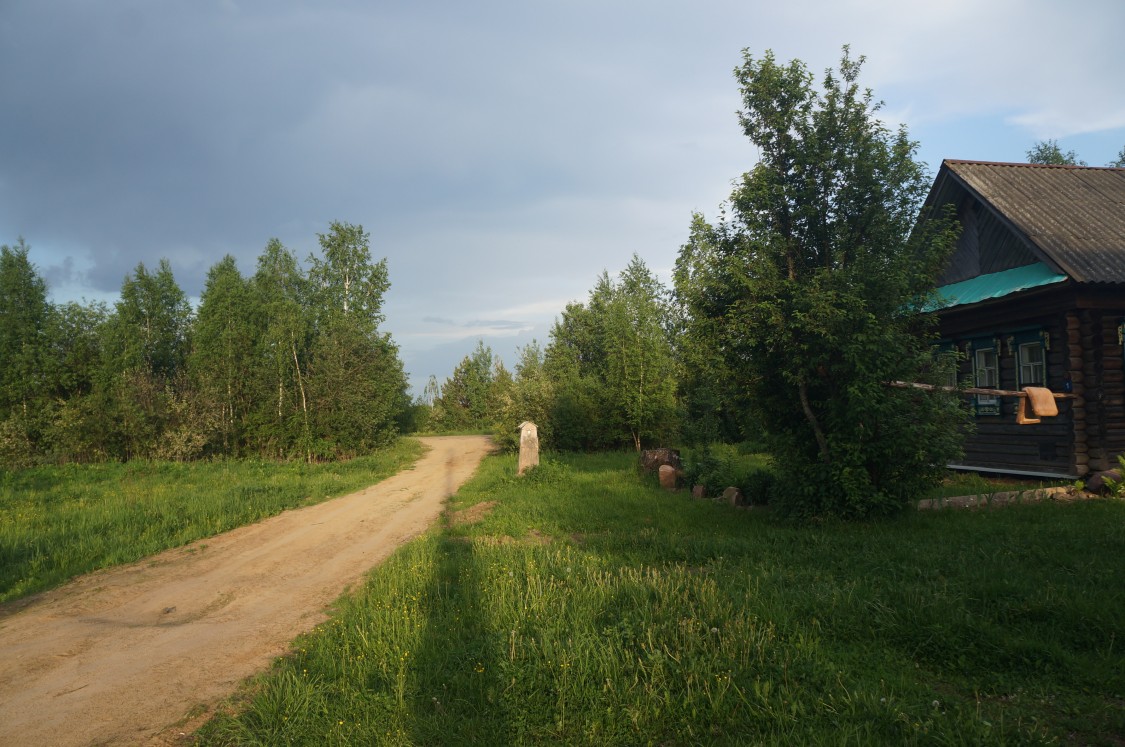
(500, 153)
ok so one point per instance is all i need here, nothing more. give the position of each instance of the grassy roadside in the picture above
(585, 607)
(59, 522)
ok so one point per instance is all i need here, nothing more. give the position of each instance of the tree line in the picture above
(288, 362)
(606, 379)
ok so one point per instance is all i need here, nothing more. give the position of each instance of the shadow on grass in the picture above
(457, 672)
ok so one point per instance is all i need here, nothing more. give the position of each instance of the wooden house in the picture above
(1035, 295)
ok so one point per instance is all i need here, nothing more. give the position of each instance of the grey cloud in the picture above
(496, 324)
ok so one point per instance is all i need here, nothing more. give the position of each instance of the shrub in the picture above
(759, 486)
(720, 466)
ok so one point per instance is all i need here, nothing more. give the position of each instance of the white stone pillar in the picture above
(529, 446)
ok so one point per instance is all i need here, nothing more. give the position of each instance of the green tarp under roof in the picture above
(994, 285)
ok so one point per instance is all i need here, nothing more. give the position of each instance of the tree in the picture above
(357, 385)
(612, 365)
(222, 356)
(641, 372)
(715, 409)
(531, 398)
(357, 390)
(346, 281)
(82, 415)
(280, 297)
(151, 323)
(145, 342)
(1120, 162)
(24, 314)
(467, 399)
(812, 292)
(1048, 152)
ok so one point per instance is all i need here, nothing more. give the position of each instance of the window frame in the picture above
(986, 404)
(1026, 340)
(1022, 363)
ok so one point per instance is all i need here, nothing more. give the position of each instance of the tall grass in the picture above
(588, 608)
(61, 521)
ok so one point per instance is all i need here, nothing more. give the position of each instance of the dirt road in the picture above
(140, 654)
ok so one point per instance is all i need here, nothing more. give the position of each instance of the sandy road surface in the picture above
(123, 656)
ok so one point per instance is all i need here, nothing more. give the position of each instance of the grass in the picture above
(585, 607)
(61, 521)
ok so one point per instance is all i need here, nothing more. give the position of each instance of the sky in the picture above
(501, 153)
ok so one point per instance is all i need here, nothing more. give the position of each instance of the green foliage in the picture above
(589, 608)
(149, 328)
(24, 317)
(1117, 487)
(812, 293)
(286, 363)
(612, 366)
(531, 397)
(222, 359)
(57, 522)
(718, 466)
(346, 281)
(471, 397)
(715, 407)
(1049, 153)
(280, 421)
(608, 377)
(355, 383)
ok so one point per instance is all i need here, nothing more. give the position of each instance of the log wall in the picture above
(1085, 349)
(1050, 446)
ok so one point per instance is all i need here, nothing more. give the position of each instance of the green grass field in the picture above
(60, 522)
(586, 607)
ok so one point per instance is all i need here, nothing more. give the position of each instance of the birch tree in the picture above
(222, 358)
(280, 292)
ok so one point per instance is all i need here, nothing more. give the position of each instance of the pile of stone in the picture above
(669, 467)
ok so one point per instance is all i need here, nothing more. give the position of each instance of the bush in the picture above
(759, 486)
(720, 466)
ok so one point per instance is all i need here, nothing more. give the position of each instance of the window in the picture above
(1032, 364)
(985, 377)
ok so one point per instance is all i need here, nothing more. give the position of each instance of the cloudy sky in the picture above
(501, 153)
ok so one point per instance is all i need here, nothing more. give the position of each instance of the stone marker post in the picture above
(529, 446)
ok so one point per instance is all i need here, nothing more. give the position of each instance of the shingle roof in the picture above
(1075, 215)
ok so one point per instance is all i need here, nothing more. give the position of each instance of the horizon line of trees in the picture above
(607, 378)
(289, 362)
